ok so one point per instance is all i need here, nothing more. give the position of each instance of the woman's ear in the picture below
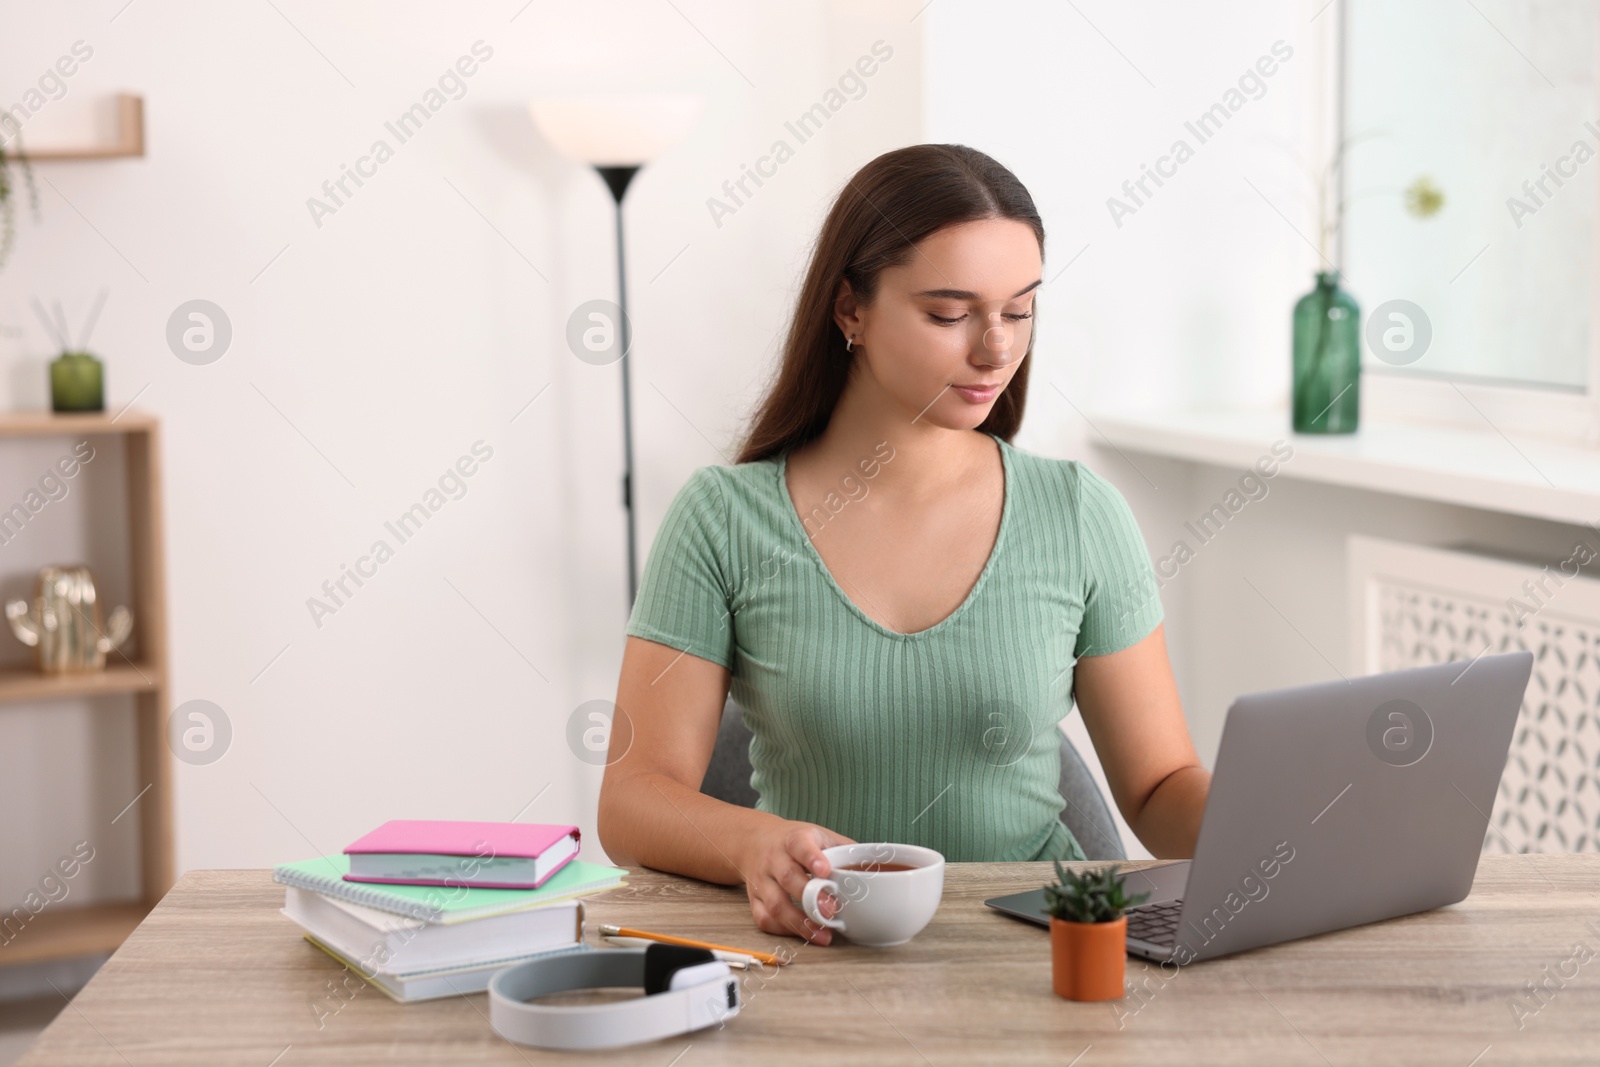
(846, 310)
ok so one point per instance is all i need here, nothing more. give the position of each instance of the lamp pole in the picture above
(617, 179)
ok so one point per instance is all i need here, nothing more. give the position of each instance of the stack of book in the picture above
(433, 909)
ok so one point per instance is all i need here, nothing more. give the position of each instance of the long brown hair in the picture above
(892, 203)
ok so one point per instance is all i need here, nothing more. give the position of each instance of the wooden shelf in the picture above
(48, 423)
(25, 683)
(61, 930)
(128, 145)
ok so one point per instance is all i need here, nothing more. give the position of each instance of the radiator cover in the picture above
(1412, 606)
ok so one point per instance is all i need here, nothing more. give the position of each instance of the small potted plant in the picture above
(1088, 932)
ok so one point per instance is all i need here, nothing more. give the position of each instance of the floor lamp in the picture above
(617, 135)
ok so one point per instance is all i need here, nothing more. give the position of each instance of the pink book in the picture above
(480, 855)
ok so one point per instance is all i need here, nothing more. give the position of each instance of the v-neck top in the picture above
(945, 737)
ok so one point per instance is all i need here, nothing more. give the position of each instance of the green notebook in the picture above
(444, 904)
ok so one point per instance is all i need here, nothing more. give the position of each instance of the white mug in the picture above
(878, 908)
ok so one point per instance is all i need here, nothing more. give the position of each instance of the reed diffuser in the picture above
(77, 378)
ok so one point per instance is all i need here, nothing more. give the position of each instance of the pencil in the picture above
(608, 930)
(736, 960)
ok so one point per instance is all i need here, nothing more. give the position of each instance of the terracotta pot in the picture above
(1087, 960)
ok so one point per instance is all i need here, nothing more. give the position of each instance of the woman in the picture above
(904, 604)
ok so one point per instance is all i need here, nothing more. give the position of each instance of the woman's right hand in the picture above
(777, 861)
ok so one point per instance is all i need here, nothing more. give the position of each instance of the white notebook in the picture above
(442, 982)
(393, 944)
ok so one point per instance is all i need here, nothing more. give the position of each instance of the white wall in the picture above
(370, 353)
(1187, 302)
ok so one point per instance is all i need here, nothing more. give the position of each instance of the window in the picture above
(1491, 104)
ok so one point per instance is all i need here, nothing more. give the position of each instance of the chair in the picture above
(728, 775)
(1086, 814)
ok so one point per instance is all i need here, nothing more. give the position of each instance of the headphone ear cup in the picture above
(662, 961)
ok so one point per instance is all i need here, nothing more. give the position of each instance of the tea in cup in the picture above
(886, 893)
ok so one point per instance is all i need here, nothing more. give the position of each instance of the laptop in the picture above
(1332, 805)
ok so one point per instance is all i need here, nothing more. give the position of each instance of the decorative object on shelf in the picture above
(8, 187)
(63, 623)
(1088, 933)
(617, 135)
(1327, 359)
(77, 378)
(77, 383)
(1326, 390)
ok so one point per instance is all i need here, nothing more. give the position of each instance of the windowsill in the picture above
(1475, 469)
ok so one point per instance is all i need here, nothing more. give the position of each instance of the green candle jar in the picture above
(77, 383)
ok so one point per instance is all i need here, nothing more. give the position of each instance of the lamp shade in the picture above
(615, 130)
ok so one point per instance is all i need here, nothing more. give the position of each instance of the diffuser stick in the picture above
(94, 315)
(61, 318)
(49, 327)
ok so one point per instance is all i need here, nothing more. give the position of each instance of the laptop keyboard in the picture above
(1155, 923)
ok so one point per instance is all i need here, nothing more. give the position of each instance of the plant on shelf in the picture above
(10, 154)
(1088, 932)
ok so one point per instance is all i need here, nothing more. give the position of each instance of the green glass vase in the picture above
(77, 383)
(1327, 359)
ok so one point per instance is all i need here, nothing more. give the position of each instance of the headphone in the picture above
(685, 989)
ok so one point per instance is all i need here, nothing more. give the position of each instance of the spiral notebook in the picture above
(440, 904)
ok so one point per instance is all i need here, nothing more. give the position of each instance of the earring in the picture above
(849, 342)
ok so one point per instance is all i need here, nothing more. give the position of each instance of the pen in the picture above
(737, 960)
(610, 930)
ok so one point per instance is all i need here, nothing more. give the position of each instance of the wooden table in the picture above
(216, 976)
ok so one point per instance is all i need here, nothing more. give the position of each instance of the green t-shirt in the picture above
(946, 737)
